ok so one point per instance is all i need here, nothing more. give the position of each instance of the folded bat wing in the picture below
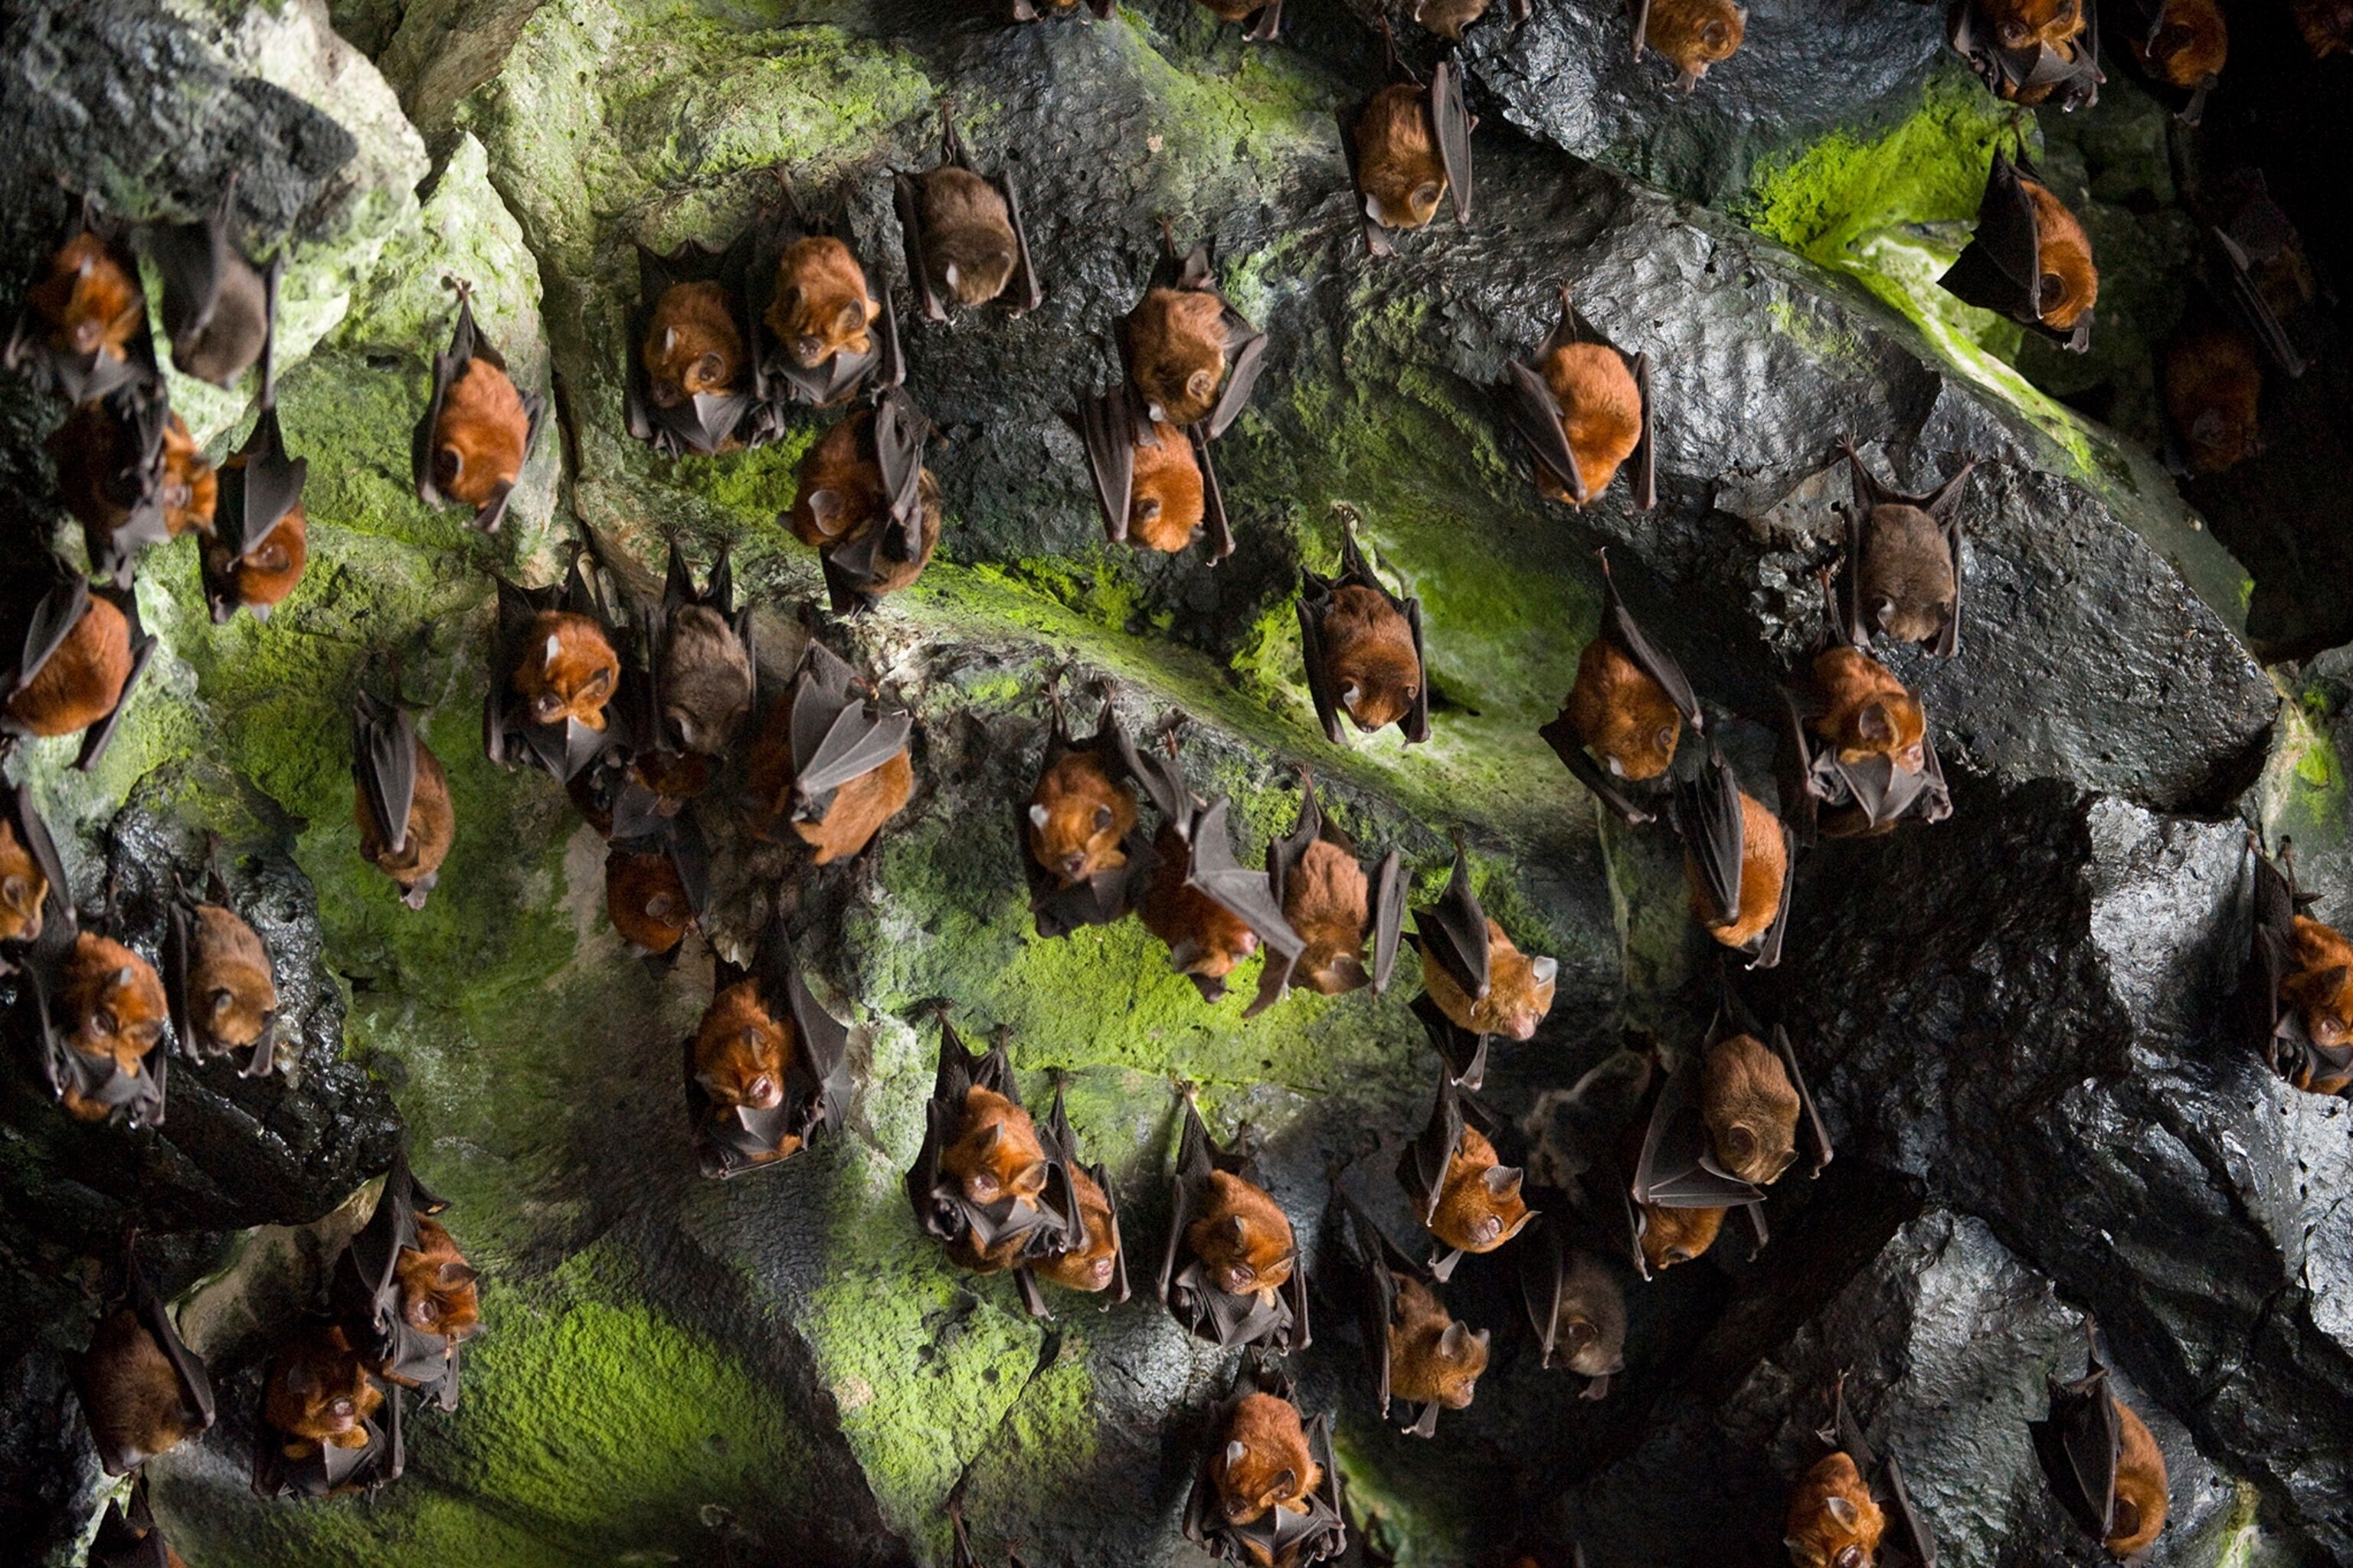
(1707, 815)
(905, 200)
(1677, 1169)
(1240, 891)
(1451, 118)
(1454, 931)
(54, 618)
(1214, 521)
(2000, 270)
(1106, 425)
(1646, 451)
(1535, 415)
(2077, 1444)
(2242, 289)
(897, 430)
(383, 759)
(1245, 356)
(1283, 856)
(57, 916)
(127, 1536)
(187, 1367)
(1025, 288)
(1422, 1167)
(1463, 1053)
(1376, 234)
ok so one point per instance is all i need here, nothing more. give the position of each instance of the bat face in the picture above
(1398, 172)
(1370, 661)
(840, 487)
(859, 810)
(1176, 349)
(266, 574)
(2140, 1501)
(1869, 714)
(1433, 1358)
(569, 670)
(1623, 716)
(1589, 1323)
(2213, 382)
(88, 303)
(319, 1392)
(1090, 1265)
(1266, 1463)
(1601, 414)
(229, 339)
(691, 345)
(968, 246)
(706, 678)
(996, 1154)
(479, 440)
(438, 1293)
(191, 489)
(1695, 35)
(432, 829)
(1326, 900)
(2191, 46)
(1764, 862)
(81, 682)
(1078, 816)
(740, 1051)
(1519, 990)
(1670, 1236)
(1832, 1520)
(1480, 1208)
(2326, 25)
(2070, 285)
(113, 1001)
(2321, 984)
(1750, 1108)
(23, 888)
(1244, 1237)
(1204, 936)
(821, 307)
(1166, 498)
(1447, 18)
(1907, 574)
(646, 900)
(231, 992)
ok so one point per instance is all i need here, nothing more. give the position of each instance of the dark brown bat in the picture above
(224, 996)
(1209, 909)
(2254, 261)
(1334, 905)
(1852, 1508)
(1232, 1274)
(402, 798)
(964, 235)
(706, 680)
(2210, 377)
(329, 1428)
(1738, 859)
(1268, 14)
(1190, 357)
(1859, 751)
(2030, 259)
(766, 1016)
(1475, 976)
(1460, 1189)
(2180, 46)
(835, 765)
(2031, 52)
(866, 503)
(819, 330)
(1090, 1258)
(1407, 146)
(1450, 18)
(1363, 647)
(143, 1391)
(2293, 1005)
(1904, 562)
(117, 475)
(691, 381)
(980, 1180)
(2103, 1465)
(260, 538)
(1691, 34)
(79, 658)
(1628, 708)
(1420, 1354)
(36, 898)
(553, 670)
(1087, 861)
(1268, 1489)
(1584, 410)
(1154, 483)
(83, 330)
(127, 1536)
(2327, 26)
(404, 1298)
(478, 427)
(1576, 1307)
(217, 310)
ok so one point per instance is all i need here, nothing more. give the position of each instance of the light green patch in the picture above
(1425, 1529)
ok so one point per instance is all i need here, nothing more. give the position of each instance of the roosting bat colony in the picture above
(639, 708)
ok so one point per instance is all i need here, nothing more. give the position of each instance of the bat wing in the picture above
(911, 235)
(96, 739)
(53, 619)
(1769, 955)
(2241, 289)
(1245, 356)
(1910, 1533)
(447, 368)
(1388, 918)
(176, 974)
(1241, 892)
(1161, 776)
(1451, 118)
(2077, 1443)
(856, 738)
(1535, 415)
(1648, 656)
(897, 432)
(1646, 459)
(187, 1367)
(1106, 425)
(1569, 746)
(1282, 858)
(1810, 1122)
(1642, 26)
(1213, 499)
(1999, 269)
(384, 755)
(1268, 25)
(1421, 1169)
(1677, 1169)
(1026, 289)
(193, 259)
(1192, 1171)
(1376, 1293)
(1415, 726)
(1376, 237)
(56, 909)
(1463, 1054)
(1314, 603)
(1454, 931)
(1707, 814)
(1543, 1271)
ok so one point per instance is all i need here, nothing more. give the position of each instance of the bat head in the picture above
(2323, 996)
(996, 1155)
(1519, 989)
(2025, 24)
(317, 1390)
(821, 306)
(1370, 667)
(1750, 1108)
(1893, 726)
(92, 306)
(1266, 1463)
(479, 440)
(1166, 500)
(1695, 35)
(1832, 1520)
(740, 1051)
(706, 678)
(261, 578)
(1092, 1263)
(1670, 1236)
(23, 888)
(1447, 18)
(1243, 1237)
(1481, 1207)
(1431, 1356)
(839, 487)
(567, 671)
(438, 1289)
(113, 1001)
(1078, 815)
(2190, 46)
(1176, 353)
(692, 347)
(647, 900)
(1399, 171)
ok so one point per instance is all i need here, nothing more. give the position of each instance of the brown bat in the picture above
(1628, 708)
(402, 802)
(1154, 483)
(691, 381)
(2031, 51)
(647, 900)
(2103, 1465)
(260, 541)
(1736, 860)
(1231, 1273)
(835, 766)
(1473, 976)
(1407, 146)
(2319, 981)
(866, 503)
(553, 670)
(1419, 1353)
(965, 240)
(1584, 410)
(1461, 1190)
(2211, 377)
(80, 655)
(1269, 14)
(219, 310)
(980, 1180)
(224, 996)
(478, 428)
(1750, 1106)
(1081, 870)
(819, 331)
(1268, 1492)
(1334, 905)
(1190, 357)
(707, 678)
(1691, 34)
(1212, 912)
(1363, 647)
(143, 1391)
(1450, 18)
(2327, 26)
(2030, 259)
(2255, 263)
(83, 330)
(1851, 1508)
(1576, 1307)
(2181, 46)
(404, 1295)
(1859, 743)
(321, 1408)
(36, 898)
(101, 1011)
(1669, 1236)
(1090, 1258)
(130, 473)
(763, 1023)
(127, 1536)
(1904, 562)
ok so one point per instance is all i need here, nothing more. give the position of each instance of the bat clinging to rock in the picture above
(2182, 46)
(2103, 1465)
(1409, 145)
(224, 995)
(689, 384)
(1867, 761)
(2327, 26)
(2030, 259)
(965, 242)
(2293, 1005)
(1154, 483)
(143, 1391)
(1232, 1273)
(1691, 34)
(866, 503)
(835, 765)
(2031, 52)
(1090, 1257)
(80, 657)
(1460, 1189)
(320, 1412)
(1576, 1307)
(1268, 1493)
(1420, 1353)
(1904, 562)
(979, 1181)
(1363, 647)
(1211, 911)
(819, 328)
(1450, 18)
(127, 1536)
(1190, 357)
(218, 309)
(1086, 861)
(1334, 905)
(1472, 971)
(35, 896)
(83, 330)
(405, 1296)
(131, 475)
(1737, 856)
(553, 671)
(1629, 708)
(2212, 379)
(401, 800)
(1584, 410)
(101, 1011)
(767, 1070)
(478, 428)
(260, 541)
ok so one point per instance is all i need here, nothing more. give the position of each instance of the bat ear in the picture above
(1184, 955)
(670, 339)
(1844, 1511)
(851, 317)
(1373, 210)
(453, 1275)
(1148, 508)
(1200, 384)
(123, 976)
(1103, 818)
(1546, 969)
(299, 1378)
(2051, 294)
(555, 647)
(991, 1139)
(1235, 1454)
(826, 508)
(1033, 1174)
(1580, 1332)
(1451, 1343)
(1480, 1338)
(711, 368)
(1285, 1482)
(1873, 723)
(1350, 696)
(1038, 816)
(1236, 1230)
(448, 464)
(1501, 1180)
(2330, 981)
(952, 275)
(1740, 1143)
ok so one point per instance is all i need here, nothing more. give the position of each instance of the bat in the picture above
(83, 330)
(1869, 760)
(1090, 1257)
(818, 332)
(224, 998)
(1461, 1190)
(1583, 410)
(835, 765)
(1904, 562)
(2103, 1465)
(2210, 379)
(2031, 51)
(330, 1428)
(1154, 483)
(401, 800)
(553, 670)
(1268, 1489)
(1190, 357)
(2294, 1003)
(1225, 1231)
(1418, 1354)
(981, 1179)
(1628, 709)
(1736, 860)
(2254, 261)
(965, 240)
(1269, 15)
(706, 679)
(1472, 973)
(866, 503)
(2326, 25)
(260, 536)
(127, 1536)
(1450, 18)
(80, 658)
(478, 427)
(142, 1389)
(2180, 46)
(100, 1011)
(690, 385)
(404, 1296)
(965, 1557)
(1363, 647)
(1408, 145)
(218, 311)
(1334, 905)
(1096, 10)
(1087, 863)
(1209, 909)
(116, 478)
(1691, 34)
(2030, 259)
(1576, 1307)
(36, 896)
(813, 1098)
(1878, 1515)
